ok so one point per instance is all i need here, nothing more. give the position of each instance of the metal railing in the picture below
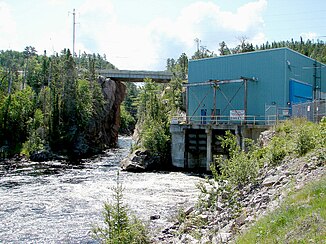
(249, 119)
(312, 111)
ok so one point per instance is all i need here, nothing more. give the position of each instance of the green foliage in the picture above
(153, 117)
(127, 122)
(16, 110)
(181, 215)
(119, 227)
(213, 197)
(31, 83)
(100, 62)
(178, 68)
(240, 168)
(35, 141)
(85, 108)
(323, 132)
(229, 142)
(277, 150)
(295, 136)
(154, 137)
(130, 102)
(300, 219)
(305, 141)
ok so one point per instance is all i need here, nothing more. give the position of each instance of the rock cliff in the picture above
(104, 127)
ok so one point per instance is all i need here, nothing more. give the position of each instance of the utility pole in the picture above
(74, 32)
(197, 42)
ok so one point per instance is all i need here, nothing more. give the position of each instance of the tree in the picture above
(202, 51)
(120, 227)
(244, 46)
(28, 53)
(183, 63)
(53, 92)
(224, 50)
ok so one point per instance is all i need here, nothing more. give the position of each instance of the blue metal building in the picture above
(244, 93)
(254, 86)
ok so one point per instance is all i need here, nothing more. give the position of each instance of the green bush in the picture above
(305, 141)
(277, 150)
(155, 138)
(240, 168)
(119, 226)
(295, 136)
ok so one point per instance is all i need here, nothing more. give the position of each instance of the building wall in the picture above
(303, 69)
(273, 69)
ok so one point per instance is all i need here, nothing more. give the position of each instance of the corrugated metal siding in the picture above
(302, 69)
(268, 66)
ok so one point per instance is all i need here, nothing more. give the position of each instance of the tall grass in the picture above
(300, 219)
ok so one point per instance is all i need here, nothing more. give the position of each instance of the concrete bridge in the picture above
(136, 75)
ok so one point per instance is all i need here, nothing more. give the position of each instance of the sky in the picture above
(143, 34)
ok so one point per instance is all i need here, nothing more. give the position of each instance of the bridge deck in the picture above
(137, 75)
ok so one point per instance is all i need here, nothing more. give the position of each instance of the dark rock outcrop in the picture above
(140, 161)
(104, 127)
(41, 156)
(45, 155)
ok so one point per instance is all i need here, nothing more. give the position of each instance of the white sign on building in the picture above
(237, 114)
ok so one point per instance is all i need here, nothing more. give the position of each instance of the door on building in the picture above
(203, 114)
(300, 92)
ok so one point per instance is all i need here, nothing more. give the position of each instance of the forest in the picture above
(46, 100)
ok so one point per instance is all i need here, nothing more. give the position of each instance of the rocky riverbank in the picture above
(222, 222)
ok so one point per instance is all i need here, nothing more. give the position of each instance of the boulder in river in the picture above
(140, 161)
(41, 156)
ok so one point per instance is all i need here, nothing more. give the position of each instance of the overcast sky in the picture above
(142, 34)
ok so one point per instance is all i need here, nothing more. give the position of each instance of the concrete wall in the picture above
(183, 157)
(178, 145)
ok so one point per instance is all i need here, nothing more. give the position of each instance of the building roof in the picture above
(255, 52)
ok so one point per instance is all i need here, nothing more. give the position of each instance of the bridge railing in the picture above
(137, 75)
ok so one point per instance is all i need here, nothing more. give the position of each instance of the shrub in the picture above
(119, 226)
(277, 150)
(240, 168)
(305, 141)
(155, 138)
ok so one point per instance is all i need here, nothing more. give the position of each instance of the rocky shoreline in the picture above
(222, 223)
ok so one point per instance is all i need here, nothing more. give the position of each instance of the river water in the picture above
(57, 203)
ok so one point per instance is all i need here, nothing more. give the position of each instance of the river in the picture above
(57, 203)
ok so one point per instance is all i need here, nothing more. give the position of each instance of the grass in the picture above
(300, 219)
